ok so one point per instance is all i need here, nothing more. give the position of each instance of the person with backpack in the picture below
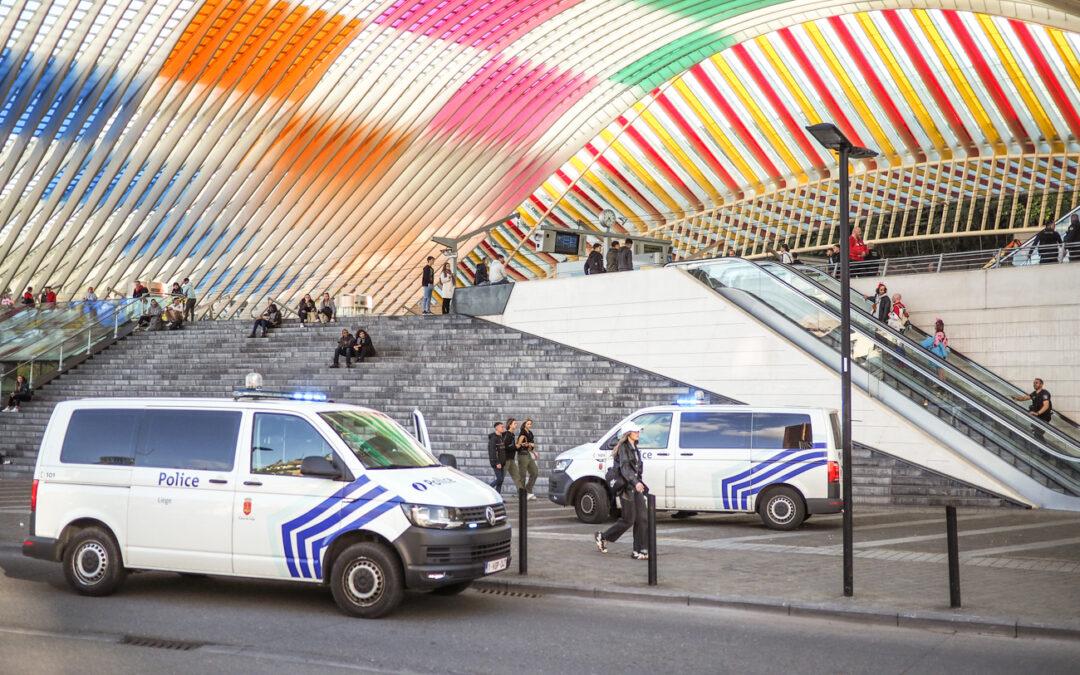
(497, 455)
(882, 304)
(626, 481)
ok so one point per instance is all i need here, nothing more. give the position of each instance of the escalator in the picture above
(939, 397)
(825, 288)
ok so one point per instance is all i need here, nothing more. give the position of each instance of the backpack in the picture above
(614, 478)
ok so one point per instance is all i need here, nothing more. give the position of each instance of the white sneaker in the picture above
(530, 496)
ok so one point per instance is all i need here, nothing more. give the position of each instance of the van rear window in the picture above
(787, 431)
(101, 436)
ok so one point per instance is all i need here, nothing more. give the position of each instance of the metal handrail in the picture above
(915, 367)
(282, 307)
(1028, 246)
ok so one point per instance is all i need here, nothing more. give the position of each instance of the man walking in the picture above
(188, 290)
(427, 282)
(497, 455)
(626, 256)
(1041, 406)
(613, 257)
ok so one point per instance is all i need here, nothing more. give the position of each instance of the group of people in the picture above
(28, 299)
(1054, 248)
(513, 451)
(619, 258)
(863, 259)
(170, 314)
(889, 310)
(447, 282)
(353, 346)
(309, 312)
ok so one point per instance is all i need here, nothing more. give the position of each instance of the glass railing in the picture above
(912, 371)
(826, 289)
(45, 341)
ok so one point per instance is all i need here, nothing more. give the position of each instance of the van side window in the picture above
(97, 436)
(782, 431)
(280, 443)
(714, 430)
(655, 429)
(201, 440)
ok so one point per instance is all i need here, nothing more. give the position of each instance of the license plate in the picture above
(496, 565)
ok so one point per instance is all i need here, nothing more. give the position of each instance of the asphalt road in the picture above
(249, 626)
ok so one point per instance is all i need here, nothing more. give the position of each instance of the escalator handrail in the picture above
(892, 331)
(879, 343)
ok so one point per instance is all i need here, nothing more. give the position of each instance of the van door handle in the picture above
(686, 454)
(252, 482)
(219, 481)
(663, 454)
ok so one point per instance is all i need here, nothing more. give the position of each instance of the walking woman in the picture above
(631, 493)
(527, 456)
(446, 287)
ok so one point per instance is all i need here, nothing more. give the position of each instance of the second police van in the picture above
(309, 491)
(779, 462)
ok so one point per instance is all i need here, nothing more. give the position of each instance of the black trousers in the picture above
(15, 399)
(446, 305)
(633, 515)
(261, 323)
(500, 474)
(347, 352)
(189, 309)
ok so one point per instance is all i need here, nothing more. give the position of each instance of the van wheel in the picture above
(366, 580)
(452, 589)
(592, 504)
(782, 509)
(92, 563)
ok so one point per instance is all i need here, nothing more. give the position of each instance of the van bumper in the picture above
(433, 558)
(42, 548)
(559, 487)
(824, 505)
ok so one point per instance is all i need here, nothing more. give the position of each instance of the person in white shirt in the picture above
(446, 287)
(91, 296)
(188, 290)
(497, 271)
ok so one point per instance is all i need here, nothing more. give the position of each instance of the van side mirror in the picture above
(319, 467)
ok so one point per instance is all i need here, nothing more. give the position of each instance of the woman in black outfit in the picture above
(631, 496)
(21, 394)
(364, 347)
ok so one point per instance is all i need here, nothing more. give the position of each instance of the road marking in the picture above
(979, 552)
(962, 533)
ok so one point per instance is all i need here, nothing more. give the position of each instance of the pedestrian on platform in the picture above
(446, 287)
(626, 256)
(427, 283)
(480, 276)
(498, 271)
(1048, 244)
(511, 439)
(1041, 406)
(631, 490)
(139, 290)
(1072, 239)
(91, 296)
(28, 297)
(527, 456)
(613, 257)
(594, 264)
(190, 299)
(497, 455)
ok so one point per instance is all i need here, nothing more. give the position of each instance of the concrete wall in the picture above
(1020, 323)
(665, 321)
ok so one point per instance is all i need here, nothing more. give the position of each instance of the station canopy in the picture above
(270, 149)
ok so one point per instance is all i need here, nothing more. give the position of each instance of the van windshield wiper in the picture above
(402, 466)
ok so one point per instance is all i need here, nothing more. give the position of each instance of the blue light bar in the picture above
(687, 401)
(256, 394)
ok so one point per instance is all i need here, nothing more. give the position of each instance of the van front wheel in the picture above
(366, 580)
(92, 563)
(782, 508)
(592, 504)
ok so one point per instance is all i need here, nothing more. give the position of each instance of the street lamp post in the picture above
(832, 138)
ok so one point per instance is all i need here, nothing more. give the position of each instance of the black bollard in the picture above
(523, 532)
(650, 499)
(954, 556)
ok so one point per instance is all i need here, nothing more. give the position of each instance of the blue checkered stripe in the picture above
(783, 466)
(305, 537)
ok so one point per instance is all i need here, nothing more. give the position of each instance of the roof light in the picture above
(697, 397)
(253, 380)
(266, 394)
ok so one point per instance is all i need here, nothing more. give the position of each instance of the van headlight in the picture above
(439, 517)
(562, 464)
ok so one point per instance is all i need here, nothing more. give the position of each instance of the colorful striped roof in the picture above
(278, 148)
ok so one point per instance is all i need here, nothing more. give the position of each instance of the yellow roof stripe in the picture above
(853, 95)
(524, 253)
(559, 196)
(1072, 64)
(639, 171)
(1020, 81)
(903, 83)
(609, 195)
(956, 75)
(731, 153)
(673, 147)
(774, 138)
(793, 87)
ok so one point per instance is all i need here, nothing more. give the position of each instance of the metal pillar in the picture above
(845, 373)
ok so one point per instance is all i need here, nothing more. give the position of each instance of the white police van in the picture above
(779, 462)
(304, 490)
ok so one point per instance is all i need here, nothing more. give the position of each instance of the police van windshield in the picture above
(377, 441)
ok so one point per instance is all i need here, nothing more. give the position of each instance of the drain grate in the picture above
(161, 643)
(508, 594)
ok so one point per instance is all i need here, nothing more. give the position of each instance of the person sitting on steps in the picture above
(270, 318)
(345, 346)
(21, 394)
(364, 347)
(328, 311)
(307, 310)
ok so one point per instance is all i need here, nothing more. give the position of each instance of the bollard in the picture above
(954, 556)
(650, 499)
(523, 532)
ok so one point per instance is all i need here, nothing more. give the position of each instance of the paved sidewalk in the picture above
(1020, 570)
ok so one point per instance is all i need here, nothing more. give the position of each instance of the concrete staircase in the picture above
(462, 373)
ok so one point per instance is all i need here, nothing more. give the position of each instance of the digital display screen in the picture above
(566, 243)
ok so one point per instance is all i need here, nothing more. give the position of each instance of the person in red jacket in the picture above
(857, 248)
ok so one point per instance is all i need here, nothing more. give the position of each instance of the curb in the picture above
(940, 621)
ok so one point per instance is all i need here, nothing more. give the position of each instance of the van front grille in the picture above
(469, 553)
